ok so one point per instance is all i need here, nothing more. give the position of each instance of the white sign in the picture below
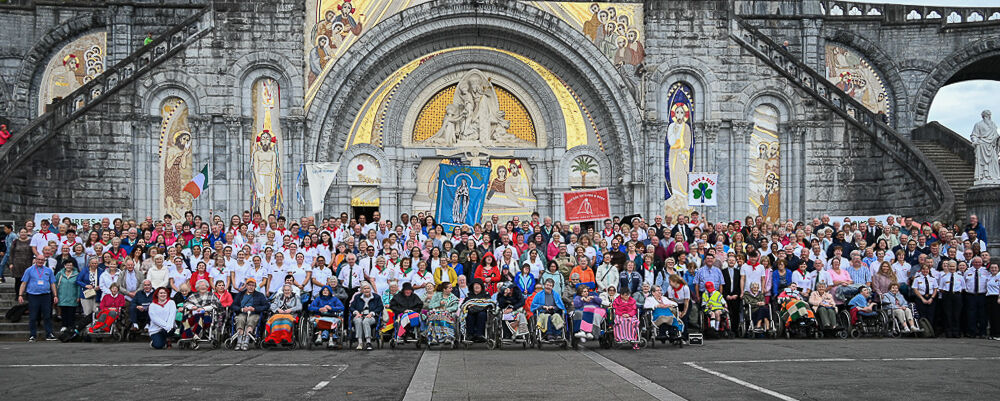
(320, 176)
(78, 218)
(702, 189)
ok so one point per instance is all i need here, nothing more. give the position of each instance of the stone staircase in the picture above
(956, 171)
(953, 155)
(921, 169)
(12, 331)
(30, 138)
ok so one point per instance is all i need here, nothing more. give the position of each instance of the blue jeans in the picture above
(159, 339)
(40, 305)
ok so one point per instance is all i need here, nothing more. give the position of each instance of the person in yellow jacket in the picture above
(713, 303)
(445, 274)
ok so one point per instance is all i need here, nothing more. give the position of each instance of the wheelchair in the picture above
(860, 325)
(308, 331)
(118, 330)
(725, 329)
(748, 328)
(377, 335)
(213, 335)
(893, 330)
(609, 331)
(797, 319)
(506, 336)
(605, 332)
(652, 333)
(256, 337)
(297, 322)
(538, 338)
(415, 336)
(492, 333)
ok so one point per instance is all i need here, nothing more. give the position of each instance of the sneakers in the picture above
(31, 339)
(368, 347)
(360, 346)
(330, 344)
(50, 337)
(590, 336)
(580, 334)
(906, 330)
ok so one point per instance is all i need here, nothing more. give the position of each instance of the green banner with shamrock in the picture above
(703, 189)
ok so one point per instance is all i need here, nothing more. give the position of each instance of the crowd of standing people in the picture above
(170, 277)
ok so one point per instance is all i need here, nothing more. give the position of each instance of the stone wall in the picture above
(103, 161)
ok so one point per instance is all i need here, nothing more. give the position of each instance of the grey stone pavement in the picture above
(877, 369)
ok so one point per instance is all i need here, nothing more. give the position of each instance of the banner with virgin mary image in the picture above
(461, 195)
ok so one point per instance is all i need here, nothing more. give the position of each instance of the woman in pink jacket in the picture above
(626, 320)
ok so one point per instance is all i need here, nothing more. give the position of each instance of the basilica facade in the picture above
(552, 96)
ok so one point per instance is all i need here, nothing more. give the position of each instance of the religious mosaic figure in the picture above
(175, 157)
(855, 76)
(590, 27)
(460, 207)
(987, 142)
(72, 66)
(679, 148)
(347, 18)
(264, 160)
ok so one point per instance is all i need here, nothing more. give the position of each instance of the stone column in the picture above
(119, 36)
(742, 131)
(984, 202)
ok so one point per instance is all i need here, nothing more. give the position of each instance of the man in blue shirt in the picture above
(39, 283)
(859, 272)
(708, 273)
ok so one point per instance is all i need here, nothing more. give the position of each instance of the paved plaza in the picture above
(903, 369)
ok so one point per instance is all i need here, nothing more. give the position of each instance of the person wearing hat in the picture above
(248, 305)
(406, 306)
(714, 304)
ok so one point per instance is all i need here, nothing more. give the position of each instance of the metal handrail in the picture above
(855, 113)
(28, 139)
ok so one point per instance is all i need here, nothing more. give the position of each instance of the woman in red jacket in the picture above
(110, 305)
(489, 273)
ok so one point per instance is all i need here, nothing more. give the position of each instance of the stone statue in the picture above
(474, 117)
(987, 142)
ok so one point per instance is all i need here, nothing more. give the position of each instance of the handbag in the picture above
(89, 293)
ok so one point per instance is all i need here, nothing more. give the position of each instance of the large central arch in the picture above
(511, 26)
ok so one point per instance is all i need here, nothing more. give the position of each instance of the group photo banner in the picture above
(588, 205)
(461, 195)
(78, 218)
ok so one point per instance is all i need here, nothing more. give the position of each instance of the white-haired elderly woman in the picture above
(366, 310)
(198, 310)
(281, 324)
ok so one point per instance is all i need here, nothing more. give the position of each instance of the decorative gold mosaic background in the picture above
(432, 115)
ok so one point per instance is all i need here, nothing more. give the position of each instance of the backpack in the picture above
(15, 313)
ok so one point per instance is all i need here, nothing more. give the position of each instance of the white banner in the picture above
(320, 176)
(78, 218)
(703, 189)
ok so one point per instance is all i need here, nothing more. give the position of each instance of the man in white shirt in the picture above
(975, 298)
(351, 275)
(505, 245)
(376, 219)
(751, 272)
(41, 239)
(951, 286)
(368, 262)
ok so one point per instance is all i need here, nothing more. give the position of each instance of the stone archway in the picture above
(945, 71)
(513, 27)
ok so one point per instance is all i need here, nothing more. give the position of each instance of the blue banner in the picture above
(461, 195)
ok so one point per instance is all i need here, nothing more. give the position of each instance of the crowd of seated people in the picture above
(169, 278)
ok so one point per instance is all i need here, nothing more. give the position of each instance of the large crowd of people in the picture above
(257, 279)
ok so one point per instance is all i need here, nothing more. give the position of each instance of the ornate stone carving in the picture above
(987, 142)
(474, 117)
